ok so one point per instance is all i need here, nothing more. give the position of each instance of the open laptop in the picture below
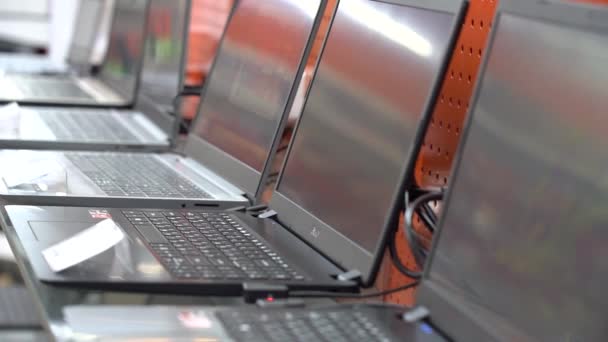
(86, 29)
(520, 255)
(116, 83)
(228, 153)
(339, 193)
(151, 125)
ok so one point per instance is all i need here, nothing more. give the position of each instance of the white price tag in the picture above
(84, 245)
(29, 172)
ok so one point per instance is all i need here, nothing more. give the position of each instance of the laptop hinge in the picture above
(416, 314)
(352, 275)
(268, 214)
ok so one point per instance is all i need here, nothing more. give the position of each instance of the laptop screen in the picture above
(362, 114)
(254, 72)
(523, 244)
(123, 59)
(86, 28)
(165, 35)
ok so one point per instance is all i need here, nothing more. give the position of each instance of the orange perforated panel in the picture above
(441, 140)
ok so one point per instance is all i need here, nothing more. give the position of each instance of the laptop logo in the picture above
(315, 232)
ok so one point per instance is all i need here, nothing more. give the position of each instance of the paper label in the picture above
(29, 172)
(84, 245)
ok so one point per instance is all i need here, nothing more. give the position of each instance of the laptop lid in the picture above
(249, 91)
(86, 27)
(164, 60)
(522, 251)
(353, 149)
(122, 65)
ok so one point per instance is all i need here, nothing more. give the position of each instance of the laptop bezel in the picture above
(444, 314)
(110, 82)
(167, 121)
(334, 245)
(237, 172)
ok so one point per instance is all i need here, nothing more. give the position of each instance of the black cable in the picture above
(427, 218)
(397, 261)
(305, 294)
(415, 242)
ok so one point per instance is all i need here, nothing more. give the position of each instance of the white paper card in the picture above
(29, 172)
(84, 245)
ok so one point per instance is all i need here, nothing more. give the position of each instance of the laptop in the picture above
(347, 322)
(229, 151)
(114, 85)
(520, 255)
(150, 126)
(86, 28)
(331, 224)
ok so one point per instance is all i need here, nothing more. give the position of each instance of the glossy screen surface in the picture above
(523, 245)
(160, 76)
(254, 72)
(125, 48)
(363, 112)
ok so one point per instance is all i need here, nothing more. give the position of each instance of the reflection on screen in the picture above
(523, 246)
(255, 69)
(164, 48)
(85, 30)
(126, 45)
(362, 114)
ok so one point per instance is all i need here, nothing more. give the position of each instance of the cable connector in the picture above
(416, 314)
(267, 214)
(252, 292)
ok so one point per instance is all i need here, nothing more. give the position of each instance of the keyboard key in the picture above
(135, 175)
(208, 254)
(304, 325)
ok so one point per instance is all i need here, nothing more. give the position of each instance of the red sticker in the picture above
(100, 214)
(194, 319)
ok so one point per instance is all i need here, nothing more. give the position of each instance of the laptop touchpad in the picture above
(52, 231)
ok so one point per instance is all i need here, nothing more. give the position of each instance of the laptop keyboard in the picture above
(302, 325)
(134, 175)
(50, 88)
(87, 126)
(204, 245)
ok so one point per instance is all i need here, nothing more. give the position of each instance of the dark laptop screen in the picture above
(523, 248)
(160, 76)
(255, 69)
(362, 114)
(125, 48)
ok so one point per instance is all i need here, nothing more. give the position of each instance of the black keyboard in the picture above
(203, 245)
(50, 88)
(86, 126)
(337, 325)
(134, 175)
